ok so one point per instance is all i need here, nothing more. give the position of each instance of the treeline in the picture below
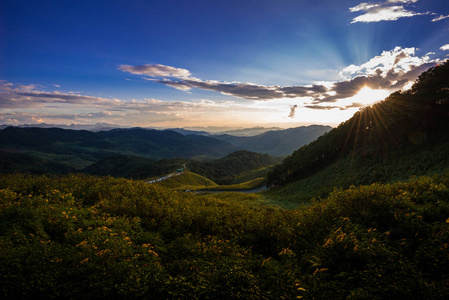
(133, 167)
(405, 122)
(222, 171)
(81, 236)
(226, 169)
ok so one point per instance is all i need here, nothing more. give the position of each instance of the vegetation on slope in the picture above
(236, 168)
(79, 236)
(25, 163)
(188, 181)
(371, 143)
(227, 169)
(134, 167)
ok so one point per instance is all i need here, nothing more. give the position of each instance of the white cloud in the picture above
(445, 47)
(441, 17)
(397, 59)
(384, 11)
(156, 71)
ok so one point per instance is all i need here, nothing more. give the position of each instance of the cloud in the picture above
(391, 70)
(441, 17)
(445, 47)
(329, 107)
(156, 71)
(248, 91)
(292, 111)
(32, 106)
(390, 10)
(236, 89)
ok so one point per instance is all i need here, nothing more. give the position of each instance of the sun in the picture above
(368, 96)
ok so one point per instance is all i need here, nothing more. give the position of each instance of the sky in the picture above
(211, 63)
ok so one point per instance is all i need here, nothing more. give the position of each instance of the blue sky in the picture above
(181, 63)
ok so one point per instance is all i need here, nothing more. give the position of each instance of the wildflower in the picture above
(84, 260)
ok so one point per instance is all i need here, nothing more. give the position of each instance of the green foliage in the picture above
(188, 181)
(400, 128)
(227, 169)
(133, 167)
(22, 162)
(251, 175)
(80, 236)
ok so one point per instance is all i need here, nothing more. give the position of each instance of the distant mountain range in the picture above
(66, 149)
(277, 142)
(149, 143)
(89, 127)
(107, 126)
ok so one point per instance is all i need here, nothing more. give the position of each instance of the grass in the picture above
(187, 181)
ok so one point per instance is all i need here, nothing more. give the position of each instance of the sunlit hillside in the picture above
(404, 135)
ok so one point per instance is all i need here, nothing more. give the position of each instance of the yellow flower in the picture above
(84, 260)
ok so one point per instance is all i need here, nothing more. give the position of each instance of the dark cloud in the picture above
(386, 71)
(292, 111)
(320, 107)
(328, 107)
(303, 91)
(247, 90)
(349, 88)
(392, 81)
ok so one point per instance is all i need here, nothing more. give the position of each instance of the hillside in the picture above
(89, 147)
(226, 169)
(277, 142)
(404, 135)
(237, 167)
(188, 181)
(135, 167)
(89, 237)
(25, 163)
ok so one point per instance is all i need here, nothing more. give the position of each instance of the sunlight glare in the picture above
(367, 96)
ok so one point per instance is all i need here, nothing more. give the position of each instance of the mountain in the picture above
(88, 147)
(23, 162)
(136, 167)
(249, 131)
(277, 142)
(187, 131)
(90, 127)
(404, 135)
